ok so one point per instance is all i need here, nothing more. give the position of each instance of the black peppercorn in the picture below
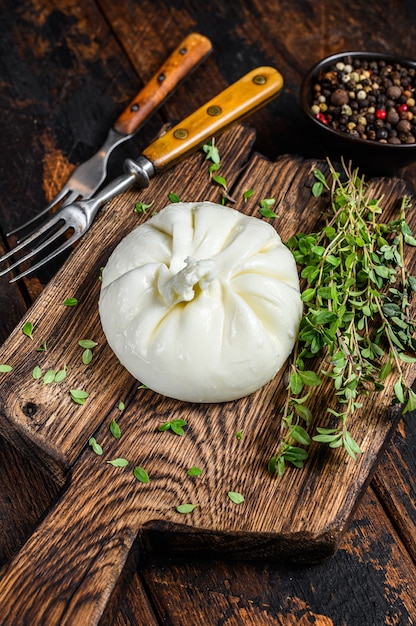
(382, 133)
(339, 97)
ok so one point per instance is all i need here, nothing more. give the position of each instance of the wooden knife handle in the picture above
(242, 98)
(185, 58)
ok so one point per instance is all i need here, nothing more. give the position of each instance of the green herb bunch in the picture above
(357, 317)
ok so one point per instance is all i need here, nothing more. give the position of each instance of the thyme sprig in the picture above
(357, 316)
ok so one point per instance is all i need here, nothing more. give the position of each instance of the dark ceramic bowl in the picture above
(371, 157)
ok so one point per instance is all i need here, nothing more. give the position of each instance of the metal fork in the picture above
(88, 177)
(243, 97)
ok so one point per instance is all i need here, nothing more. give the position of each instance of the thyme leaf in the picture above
(194, 471)
(92, 442)
(141, 207)
(173, 197)
(141, 475)
(28, 329)
(79, 396)
(175, 426)
(236, 497)
(265, 207)
(118, 462)
(115, 429)
(186, 508)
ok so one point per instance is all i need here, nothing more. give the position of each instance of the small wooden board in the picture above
(72, 566)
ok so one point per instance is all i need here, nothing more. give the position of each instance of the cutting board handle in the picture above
(69, 570)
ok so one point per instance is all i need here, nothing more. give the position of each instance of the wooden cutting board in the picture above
(72, 566)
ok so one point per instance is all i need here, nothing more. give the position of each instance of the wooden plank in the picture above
(20, 511)
(104, 510)
(370, 580)
(135, 607)
(394, 481)
(11, 301)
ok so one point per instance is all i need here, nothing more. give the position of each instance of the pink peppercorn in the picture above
(321, 117)
(381, 114)
(402, 107)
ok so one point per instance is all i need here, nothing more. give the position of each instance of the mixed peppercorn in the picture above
(372, 100)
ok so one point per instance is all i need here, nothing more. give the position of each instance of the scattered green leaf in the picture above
(28, 329)
(173, 197)
(60, 375)
(141, 475)
(186, 508)
(71, 302)
(194, 471)
(95, 446)
(235, 497)
(220, 180)
(265, 207)
(141, 207)
(87, 356)
(115, 429)
(87, 343)
(211, 152)
(175, 426)
(247, 194)
(214, 167)
(4, 368)
(49, 377)
(118, 462)
(36, 373)
(79, 396)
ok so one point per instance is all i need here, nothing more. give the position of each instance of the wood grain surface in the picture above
(67, 70)
(103, 510)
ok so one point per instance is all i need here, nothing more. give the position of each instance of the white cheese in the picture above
(201, 303)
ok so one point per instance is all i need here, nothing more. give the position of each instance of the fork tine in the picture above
(40, 231)
(73, 196)
(32, 253)
(74, 237)
(60, 196)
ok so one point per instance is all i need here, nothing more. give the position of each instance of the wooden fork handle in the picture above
(185, 58)
(242, 98)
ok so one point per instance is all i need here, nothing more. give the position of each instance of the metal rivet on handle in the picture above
(180, 133)
(183, 51)
(134, 107)
(214, 110)
(161, 78)
(259, 79)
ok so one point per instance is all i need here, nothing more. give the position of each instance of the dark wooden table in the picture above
(67, 70)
